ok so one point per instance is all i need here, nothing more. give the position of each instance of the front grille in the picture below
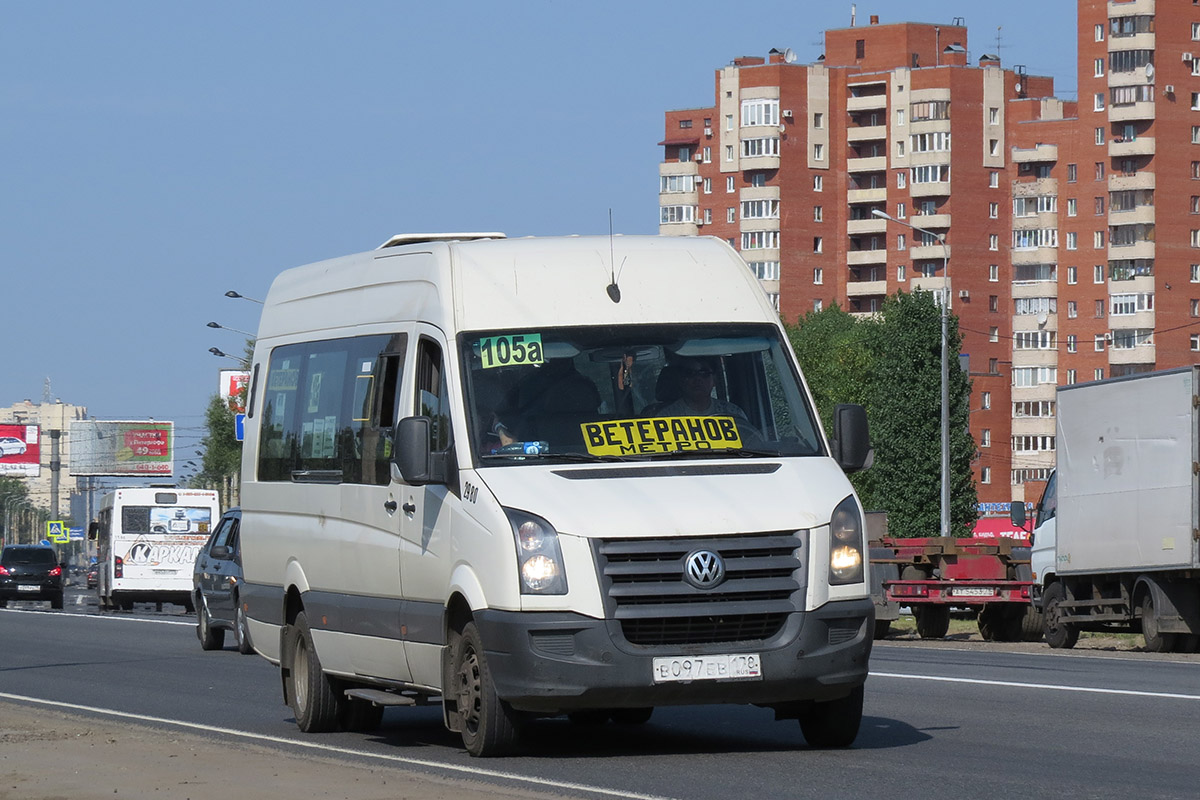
(647, 593)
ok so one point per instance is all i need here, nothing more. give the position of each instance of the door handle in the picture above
(410, 508)
(390, 506)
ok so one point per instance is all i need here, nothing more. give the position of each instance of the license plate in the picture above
(971, 591)
(28, 587)
(678, 669)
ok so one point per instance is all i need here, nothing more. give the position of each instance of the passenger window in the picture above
(433, 394)
(321, 412)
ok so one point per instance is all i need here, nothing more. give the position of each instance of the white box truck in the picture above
(544, 476)
(1115, 536)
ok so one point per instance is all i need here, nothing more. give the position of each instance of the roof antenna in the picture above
(614, 291)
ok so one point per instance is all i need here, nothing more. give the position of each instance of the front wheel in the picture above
(834, 723)
(1059, 634)
(488, 728)
(241, 631)
(314, 702)
(210, 638)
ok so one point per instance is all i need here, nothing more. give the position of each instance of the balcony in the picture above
(1037, 186)
(759, 193)
(921, 252)
(877, 195)
(1138, 41)
(1133, 111)
(1139, 354)
(758, 162)
(678, 229)
(1135, 250)
(1130, 8)
(1037, 153)
(1138, 215)
(1034, 289)
(1033, 426)
(933, 189)
(937, 285)
(864, 257)
(678, 168)
(1044, 219)
(1035, 255)
(1035, 358)
(872, 225)
(866, 102)
(1119, 182)
(1139, 146)
(930, 221)
(1032, 322)
(866, 288)
(866, 133)
(868, 164)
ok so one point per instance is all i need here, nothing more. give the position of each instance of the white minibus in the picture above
(533, 477)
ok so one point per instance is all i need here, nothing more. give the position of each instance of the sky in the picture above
(154, 155)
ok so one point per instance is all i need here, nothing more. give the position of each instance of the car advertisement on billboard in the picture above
(20, 451)
(122, 448)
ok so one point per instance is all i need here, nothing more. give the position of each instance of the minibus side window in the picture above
(433, 394)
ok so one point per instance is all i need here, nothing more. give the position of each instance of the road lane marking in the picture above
(1051, 686)
(544, 783)
(97, 616)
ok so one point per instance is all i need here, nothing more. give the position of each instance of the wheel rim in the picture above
(203, 618)
(241, 625)
(300, 674)
(470, 692)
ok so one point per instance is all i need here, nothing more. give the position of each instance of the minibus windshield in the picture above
(644, 392)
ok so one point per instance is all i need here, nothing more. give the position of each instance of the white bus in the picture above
(147, 540)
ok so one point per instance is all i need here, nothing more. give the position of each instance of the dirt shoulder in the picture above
(46, 754)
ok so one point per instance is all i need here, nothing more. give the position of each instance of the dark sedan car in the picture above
(30, 572)
(216, 581)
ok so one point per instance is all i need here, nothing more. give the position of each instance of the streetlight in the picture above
(222, 354)
(227, 328)
(941, 238)
(232, 293)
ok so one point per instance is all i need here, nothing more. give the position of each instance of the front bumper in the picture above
(556, 662)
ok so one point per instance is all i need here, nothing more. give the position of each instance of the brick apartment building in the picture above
(1059, 269)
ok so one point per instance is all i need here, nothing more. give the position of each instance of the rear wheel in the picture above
(314, 703)
(488, 727)
(1032, 624)
(1156, 640)
(241, 631)
(1059, 634)
(834, 723)
(57, 601)
(210, 638)
(933, 621)
(882, 628)
(1000, 622)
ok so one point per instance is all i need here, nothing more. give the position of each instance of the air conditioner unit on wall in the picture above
(1169, 88)
(1185, 57)
(787, 114)
(963, 294)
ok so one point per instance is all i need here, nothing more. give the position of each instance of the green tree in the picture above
(905, 413)
(12, 494)
(222, 458)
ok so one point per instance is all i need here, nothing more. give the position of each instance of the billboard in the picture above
(122, 448)
(20, 451)
(232, 383)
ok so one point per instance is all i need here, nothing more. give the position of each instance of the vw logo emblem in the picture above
(704, 569)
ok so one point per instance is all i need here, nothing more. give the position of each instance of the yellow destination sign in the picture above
(623, 437)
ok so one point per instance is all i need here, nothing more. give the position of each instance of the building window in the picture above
(1072, 173)
(900, 149)
(816, 305)
(1098, 68)
(685, 154)
(993, 115)
(757, 148)
(670, 214)
(818, 120)
(729, 184)
(1099, 309)
(1195, 308)
(1099, 33)
(729, 122)
(1195, 238)
(760, 209)
(708, 216)
(901, 211)
(818, 152)
(1072, 273)
(994, 180)
(731, 214)
(993, 147)
(1098, 342)
(994, 272)
(1071, 343)
(985, 438)
(1099, 206)
(818, 244)
(760, 111)
(818, 182)
(1099, 135)
(1098, 273)
(985, 400)
(708, 185)
(993, 334)
(1072, 241)
(765, 270)
(899, 116)
(901, 241)
(1098, 375)
(1195, 270)
(1072, 309)
(1098, 240)
(817, 214)
(993, 210)
(1196, 31)
(1195, 101)
(760, 240)
(900, 273)
(993, 241)
(1099, 170)
(1098, 102)
(1195, 340)
(901, 180)
(818, 275)
(860, 48)
(1196, 170)
(707, 155)
(993, 303)
(729, 153)
(985, 473)
(1072, 207)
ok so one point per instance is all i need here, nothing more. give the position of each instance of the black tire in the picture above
(210, 638)
(1032, 624)
(488, 727)
(988, 623)
(57, 601)
(933, 621)
(590, 717)
(241, 631)
(1156, 641)
(1001, 622)
(315, 704)
(632, 716)
(882, 628)
(1059, 634)
(361, 716)
(3, 602)
(834, 723)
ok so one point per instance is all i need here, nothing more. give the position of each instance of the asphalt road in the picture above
(941, 721)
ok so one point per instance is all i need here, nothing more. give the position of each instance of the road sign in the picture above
(56, 531)
(239, 427)
(75, 534)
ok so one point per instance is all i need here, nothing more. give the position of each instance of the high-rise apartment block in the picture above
(1065, 235)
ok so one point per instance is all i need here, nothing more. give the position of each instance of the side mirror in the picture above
(93, 531)
(219, 551)
(1016, 513)
(413, 456)
(851, 437)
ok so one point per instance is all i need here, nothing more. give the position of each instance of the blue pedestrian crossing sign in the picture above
(56, 531)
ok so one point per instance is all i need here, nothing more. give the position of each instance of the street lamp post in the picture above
(247, 334)
(232, 293)
(941, 237)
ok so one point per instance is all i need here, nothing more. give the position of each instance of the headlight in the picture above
(539, 558)
(846, 544)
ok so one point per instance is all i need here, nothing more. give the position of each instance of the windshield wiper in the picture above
(730, 452)
(571, 456)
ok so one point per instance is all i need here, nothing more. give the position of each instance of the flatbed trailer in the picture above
(934, 574)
